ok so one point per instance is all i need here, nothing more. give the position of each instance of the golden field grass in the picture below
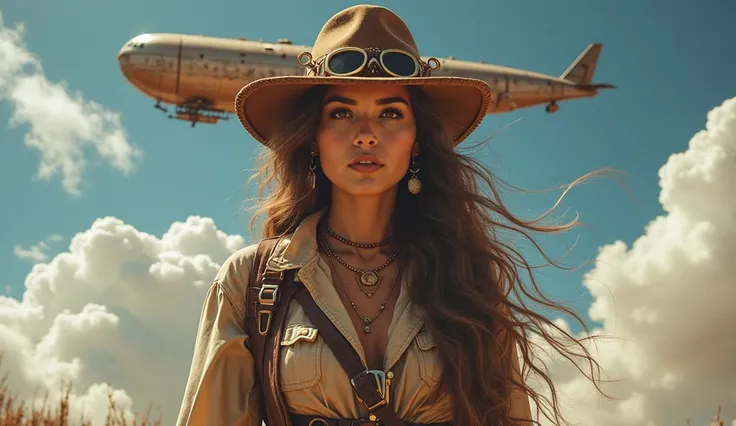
(14, 412)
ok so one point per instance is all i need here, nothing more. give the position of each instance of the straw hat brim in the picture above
(461, 102)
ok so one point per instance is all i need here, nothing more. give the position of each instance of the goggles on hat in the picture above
(350, 61)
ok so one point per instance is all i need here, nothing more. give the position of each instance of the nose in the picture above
(365, 136)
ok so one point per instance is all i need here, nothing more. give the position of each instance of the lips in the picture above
(366, 160)
(365, 164)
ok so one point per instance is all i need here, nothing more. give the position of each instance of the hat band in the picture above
(352, 61)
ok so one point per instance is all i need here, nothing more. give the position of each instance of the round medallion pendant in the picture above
(369, 278)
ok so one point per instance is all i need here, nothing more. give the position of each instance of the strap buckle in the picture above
(380, 384)
(268, 295)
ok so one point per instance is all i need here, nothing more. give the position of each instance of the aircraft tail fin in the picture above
(581, 71)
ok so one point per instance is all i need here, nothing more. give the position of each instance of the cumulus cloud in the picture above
(116, 312)
(670, 299)
(62, 125)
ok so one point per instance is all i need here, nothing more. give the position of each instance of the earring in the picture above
(414, 184)
(311, 177)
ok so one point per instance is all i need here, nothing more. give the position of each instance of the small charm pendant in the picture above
(367, 322)
(369, 278)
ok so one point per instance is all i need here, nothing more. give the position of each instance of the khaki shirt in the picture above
(221, 390)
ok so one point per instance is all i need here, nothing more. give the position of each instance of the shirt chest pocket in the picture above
(301, 357)
(428, 358)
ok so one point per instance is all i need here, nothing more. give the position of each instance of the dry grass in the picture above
(14, 412)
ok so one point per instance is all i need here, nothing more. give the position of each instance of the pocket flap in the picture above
(299, 332)
(425, 341)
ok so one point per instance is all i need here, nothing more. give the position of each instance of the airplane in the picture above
(201, 75)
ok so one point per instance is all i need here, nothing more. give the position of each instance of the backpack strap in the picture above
(269, 294)
(369, 385)
(267, 301)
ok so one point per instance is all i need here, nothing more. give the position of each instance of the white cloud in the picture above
(36, 253)
(670, 299)
(62, 125)
(117, 311)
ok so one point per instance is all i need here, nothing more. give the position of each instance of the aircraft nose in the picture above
(125, 50)
(135, 44)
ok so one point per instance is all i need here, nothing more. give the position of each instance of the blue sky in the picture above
(670, 61)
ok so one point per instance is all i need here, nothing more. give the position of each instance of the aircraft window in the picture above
(270, 49)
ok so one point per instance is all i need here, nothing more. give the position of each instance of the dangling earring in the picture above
(311, 177)
(415, 185)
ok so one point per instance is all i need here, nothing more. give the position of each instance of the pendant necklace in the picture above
(369, 278)
(366, 320)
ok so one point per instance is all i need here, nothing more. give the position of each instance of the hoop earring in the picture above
(414, 184)
(311, 177)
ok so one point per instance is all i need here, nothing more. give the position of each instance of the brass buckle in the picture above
(274, 294)
(265, 315)
(380, 378)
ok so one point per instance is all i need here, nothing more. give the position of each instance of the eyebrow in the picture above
(383, 101)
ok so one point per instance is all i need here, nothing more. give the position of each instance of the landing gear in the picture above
(199, 111)
(158, 106)
(552, 107)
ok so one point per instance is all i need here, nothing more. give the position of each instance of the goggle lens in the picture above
(346, 62)
(399, 64)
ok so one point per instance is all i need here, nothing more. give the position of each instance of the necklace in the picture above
(366, 320)
(366, 277)
(353, 243)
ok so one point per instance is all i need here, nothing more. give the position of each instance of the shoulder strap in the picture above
(269, 294)
(370, 385)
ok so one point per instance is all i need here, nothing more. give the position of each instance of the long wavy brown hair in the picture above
(467, 280)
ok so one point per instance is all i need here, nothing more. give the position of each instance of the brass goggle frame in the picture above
(372, 59)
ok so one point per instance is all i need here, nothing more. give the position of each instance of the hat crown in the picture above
(364, 26)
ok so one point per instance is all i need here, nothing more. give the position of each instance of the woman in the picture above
(388, 236)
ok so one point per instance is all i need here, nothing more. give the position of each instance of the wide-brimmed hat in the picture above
(364, 44)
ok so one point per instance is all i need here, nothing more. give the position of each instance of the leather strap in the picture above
(269, 294)
(364, 382)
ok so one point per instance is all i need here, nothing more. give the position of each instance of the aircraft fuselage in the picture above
(206, 73)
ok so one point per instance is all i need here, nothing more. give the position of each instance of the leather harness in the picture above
(269, 295)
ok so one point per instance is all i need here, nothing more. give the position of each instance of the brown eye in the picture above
(392, 114)
(339, 113)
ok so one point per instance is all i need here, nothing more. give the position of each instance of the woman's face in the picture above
(366, 137)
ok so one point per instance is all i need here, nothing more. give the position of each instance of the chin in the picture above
(365, 189)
